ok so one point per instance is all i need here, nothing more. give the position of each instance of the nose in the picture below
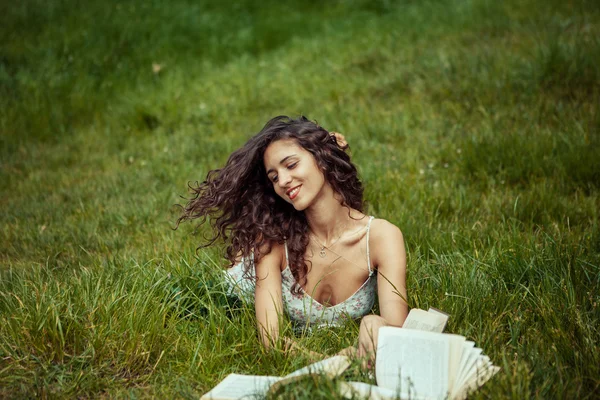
(284, 179)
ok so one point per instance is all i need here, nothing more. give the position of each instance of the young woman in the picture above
(289, 206)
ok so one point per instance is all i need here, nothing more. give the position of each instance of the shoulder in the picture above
(386, 242)
(384, 231)
(272, 254)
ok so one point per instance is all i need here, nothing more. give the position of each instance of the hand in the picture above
(340, 139)
(293, 347)
(348, 352)
(367, 335)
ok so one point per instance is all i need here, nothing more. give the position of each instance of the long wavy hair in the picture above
(240, 203)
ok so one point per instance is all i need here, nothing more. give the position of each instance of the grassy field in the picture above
(475, 126)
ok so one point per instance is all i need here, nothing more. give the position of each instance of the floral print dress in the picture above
(303, 310)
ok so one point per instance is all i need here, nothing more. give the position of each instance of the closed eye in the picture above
(275, 178)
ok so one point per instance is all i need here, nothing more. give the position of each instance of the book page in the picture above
(331, 367)
(467, 364)
(478, 379)
(365, 391)
(476, 376)
(236, 386)
(481, 364)
(413, 363)
(425, 321)
(437, 311)
(433, 310)
(456, 351)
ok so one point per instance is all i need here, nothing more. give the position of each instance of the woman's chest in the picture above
(336, 272)
(333, 278)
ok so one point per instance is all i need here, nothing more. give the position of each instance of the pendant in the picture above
(322, 252)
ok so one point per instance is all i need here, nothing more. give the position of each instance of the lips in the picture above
(293, 192)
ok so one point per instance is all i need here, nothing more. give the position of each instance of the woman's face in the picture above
(294, 173)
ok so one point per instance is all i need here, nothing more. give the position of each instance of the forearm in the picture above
(369, 330)
(267, 298)
(268, 334)
(395, 321)
(268, 315)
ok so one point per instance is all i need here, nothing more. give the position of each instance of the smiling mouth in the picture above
(292, 193)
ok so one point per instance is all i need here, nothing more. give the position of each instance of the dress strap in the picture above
(368, 254)
(287, 258)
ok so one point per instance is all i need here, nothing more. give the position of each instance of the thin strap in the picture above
(287, 264)
(368, 254)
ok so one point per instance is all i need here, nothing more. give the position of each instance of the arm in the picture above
(268, 300)
(389, 256)
(391, 281)
(269, 304)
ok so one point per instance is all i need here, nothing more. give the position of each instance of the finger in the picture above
(340, 139)
(368, 363)
(361, 350)
(365, 364)
(314, 356)
(349, 352)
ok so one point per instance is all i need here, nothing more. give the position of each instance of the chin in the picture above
(299, 206)
(307, 200)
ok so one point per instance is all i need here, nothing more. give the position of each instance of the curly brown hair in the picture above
(241, 205)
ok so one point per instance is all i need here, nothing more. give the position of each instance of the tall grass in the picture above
(474, 125)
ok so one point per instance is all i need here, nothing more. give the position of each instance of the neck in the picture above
(327, 218)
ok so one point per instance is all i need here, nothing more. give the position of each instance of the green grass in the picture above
(474, 124)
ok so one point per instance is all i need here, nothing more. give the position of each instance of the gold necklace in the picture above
(322, 252)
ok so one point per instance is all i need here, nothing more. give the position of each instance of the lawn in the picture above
(475, 126)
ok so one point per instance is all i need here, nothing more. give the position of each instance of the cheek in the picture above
(320, 170)
(319, 176)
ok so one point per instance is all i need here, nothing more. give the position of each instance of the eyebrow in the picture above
(284, 159)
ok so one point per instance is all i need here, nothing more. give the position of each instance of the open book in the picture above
(236, 386)
(416, 361)
(432, 320)
(413, 364)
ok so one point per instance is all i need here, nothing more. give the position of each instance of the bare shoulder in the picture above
(386, 243)
(383, 231)
(272, 254)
